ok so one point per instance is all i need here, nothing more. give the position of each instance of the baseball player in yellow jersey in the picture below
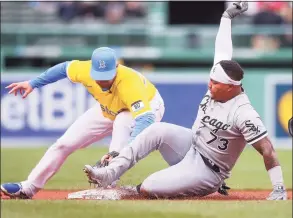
(127, 103)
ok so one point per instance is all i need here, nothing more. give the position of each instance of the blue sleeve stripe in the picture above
(141, 123)
(51, 75)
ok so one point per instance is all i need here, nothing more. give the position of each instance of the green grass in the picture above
(249, 173)
(142, 209)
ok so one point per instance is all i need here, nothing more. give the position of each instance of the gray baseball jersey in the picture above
(221, 130)
(220, 133)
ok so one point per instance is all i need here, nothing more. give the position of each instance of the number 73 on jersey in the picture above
(222, 143)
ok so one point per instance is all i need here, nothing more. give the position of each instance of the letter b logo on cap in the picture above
(102, 64)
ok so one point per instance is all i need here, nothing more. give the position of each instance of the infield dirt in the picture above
(239, 195)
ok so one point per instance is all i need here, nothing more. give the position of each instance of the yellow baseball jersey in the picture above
(131, 91)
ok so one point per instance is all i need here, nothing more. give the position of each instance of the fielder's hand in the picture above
(278, 193)
(24, 88)
(236, 9)
(107, 158)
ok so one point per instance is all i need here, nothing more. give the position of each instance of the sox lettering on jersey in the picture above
(252, 127)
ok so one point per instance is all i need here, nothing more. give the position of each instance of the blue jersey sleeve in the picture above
(51, 75)
(141, 123)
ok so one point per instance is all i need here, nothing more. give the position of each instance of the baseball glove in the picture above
(106, 161)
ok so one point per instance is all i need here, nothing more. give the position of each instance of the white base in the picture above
(104, 193)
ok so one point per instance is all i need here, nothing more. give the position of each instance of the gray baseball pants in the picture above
(188, 174)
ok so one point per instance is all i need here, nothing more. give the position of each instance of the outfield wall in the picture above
(47, 112)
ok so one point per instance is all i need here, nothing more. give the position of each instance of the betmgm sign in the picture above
(47, 112)
(278, 109)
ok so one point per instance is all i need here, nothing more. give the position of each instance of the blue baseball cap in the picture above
(104, 62)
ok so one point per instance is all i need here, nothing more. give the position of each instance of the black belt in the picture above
(210, 164)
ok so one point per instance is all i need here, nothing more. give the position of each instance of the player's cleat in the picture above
(138, 188)
(13, 190)
(278, 193)
(223, 190)
(98, 164)
(106, 159)
(96, 175)
(91, 181)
